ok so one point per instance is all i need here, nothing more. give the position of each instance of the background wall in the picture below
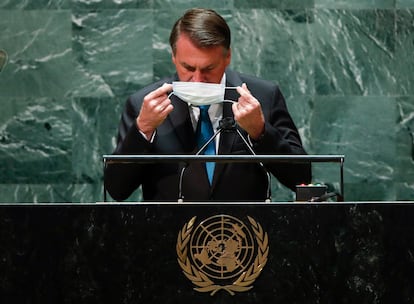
(345, 68)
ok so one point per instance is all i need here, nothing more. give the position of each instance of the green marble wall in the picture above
(345, 67)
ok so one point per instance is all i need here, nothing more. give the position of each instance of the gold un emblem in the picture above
(222, 253)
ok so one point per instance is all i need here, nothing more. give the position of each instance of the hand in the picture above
(248, 113)
(155, 108)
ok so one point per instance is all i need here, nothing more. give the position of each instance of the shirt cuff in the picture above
(151, 139)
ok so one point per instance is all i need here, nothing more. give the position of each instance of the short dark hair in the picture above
(204, 27)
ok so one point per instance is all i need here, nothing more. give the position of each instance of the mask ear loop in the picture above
(228, 100)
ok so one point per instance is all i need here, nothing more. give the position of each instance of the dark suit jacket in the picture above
(232, 181)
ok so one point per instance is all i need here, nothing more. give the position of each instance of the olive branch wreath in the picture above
(243, 282)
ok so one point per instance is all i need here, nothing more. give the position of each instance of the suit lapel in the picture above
(181, 123)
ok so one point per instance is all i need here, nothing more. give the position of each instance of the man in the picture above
(157, 122)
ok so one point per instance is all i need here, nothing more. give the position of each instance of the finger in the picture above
(158, 97)
(244, 86)
(161, 104)
(235, 109)
(164, 101)
(239, 109)
(168, 109)
(163, 90)
(156, 103)
(167, 87)
(160, 107)
(243, 90)
(245, 96)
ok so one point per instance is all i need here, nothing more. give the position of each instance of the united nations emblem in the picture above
(222, 253)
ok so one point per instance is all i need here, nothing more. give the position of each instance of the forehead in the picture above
(188, 53)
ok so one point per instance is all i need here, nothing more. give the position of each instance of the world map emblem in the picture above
(222, 253)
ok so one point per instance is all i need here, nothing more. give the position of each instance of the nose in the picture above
(198, 76)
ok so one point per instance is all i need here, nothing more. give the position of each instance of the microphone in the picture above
(227, 124)
(3, 59)
(180, 184)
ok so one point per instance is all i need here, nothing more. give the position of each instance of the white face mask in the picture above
(199, 93)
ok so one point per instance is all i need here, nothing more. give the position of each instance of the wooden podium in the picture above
(207, 253)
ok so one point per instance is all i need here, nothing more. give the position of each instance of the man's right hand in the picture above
(155, 108)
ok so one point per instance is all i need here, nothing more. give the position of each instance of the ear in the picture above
(173, 58)
(228, 56)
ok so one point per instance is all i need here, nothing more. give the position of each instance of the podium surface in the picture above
(361, 252)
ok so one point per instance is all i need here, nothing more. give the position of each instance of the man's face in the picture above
(201, 65)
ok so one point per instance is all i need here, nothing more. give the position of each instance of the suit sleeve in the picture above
(121, 180)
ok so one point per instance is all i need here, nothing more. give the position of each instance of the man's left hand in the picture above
(248, 113)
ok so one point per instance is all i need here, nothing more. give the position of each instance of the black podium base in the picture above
(202, 253)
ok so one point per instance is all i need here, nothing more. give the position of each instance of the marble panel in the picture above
(58, 193)
(371, 190)
(300, 108)
(275, 45)
(404, 62)
(113, 51)
(405, 148)
(280, 4)
(364, 130)
(279, 193)
(35, 4)
(405, 3)
(111, 4)
(88, 192)
(36, 141)
(355, 52)
(405, 191)
(95, 123)
(182, 5)
(164, 19)
(39, 46)
(54, 192)
(355, 4)
(72, 63)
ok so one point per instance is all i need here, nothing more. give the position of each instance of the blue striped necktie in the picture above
(204, 133)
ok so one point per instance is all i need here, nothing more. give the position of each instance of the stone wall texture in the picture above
(344, 66)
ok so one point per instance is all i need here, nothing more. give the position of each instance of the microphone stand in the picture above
(180, 183)
(226, 124)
